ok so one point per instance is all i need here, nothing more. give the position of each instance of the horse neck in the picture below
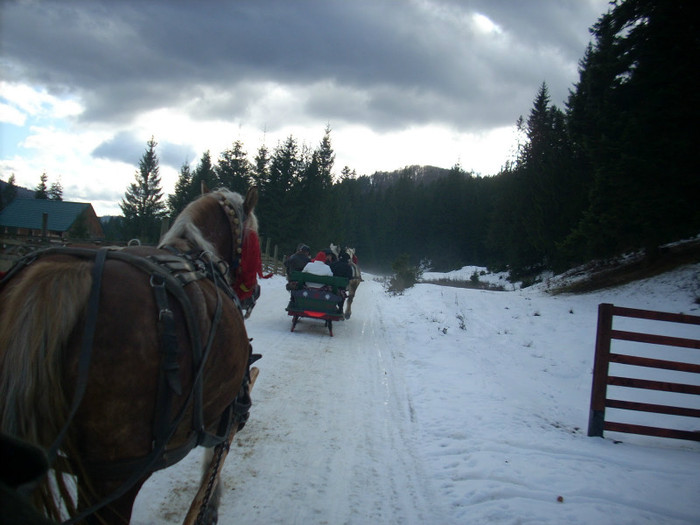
(215, 228)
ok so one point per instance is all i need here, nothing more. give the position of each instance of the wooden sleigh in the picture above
(324, 303)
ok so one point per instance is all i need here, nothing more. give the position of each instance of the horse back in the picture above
(48, 301)
(128, 366)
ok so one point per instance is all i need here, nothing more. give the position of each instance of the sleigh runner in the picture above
(324, 301)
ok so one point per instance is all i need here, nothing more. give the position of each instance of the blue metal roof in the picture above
(27, 213)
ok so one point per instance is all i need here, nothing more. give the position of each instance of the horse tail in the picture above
(40, 310)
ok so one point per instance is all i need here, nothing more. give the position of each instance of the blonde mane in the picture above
(184, 229)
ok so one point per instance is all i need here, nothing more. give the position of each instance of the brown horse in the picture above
(119, 361)
(353, 283)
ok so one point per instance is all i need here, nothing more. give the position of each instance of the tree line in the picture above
(9, 190)
(610, 172)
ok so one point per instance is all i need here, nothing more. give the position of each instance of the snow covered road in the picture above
(442, 406)
(330, 438)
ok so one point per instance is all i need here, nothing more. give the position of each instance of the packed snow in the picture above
(445, 405)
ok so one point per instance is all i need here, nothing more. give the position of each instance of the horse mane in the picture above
(184, 229)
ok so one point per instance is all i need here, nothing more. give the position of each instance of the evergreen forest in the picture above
(610, 172)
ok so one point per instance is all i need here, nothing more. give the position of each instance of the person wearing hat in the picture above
(318, 267)
(296, 262)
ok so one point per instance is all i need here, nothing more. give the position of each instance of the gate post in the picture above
(596, 418)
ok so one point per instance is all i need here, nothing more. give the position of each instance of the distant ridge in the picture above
(22, 193)
(425, 174)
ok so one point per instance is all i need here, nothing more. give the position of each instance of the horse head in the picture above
(215, 223)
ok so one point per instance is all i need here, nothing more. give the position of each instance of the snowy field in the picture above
(444, 406)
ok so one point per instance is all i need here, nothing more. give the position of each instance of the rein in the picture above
(85, 351)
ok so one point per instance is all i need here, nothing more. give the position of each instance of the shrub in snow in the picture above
(405, 275)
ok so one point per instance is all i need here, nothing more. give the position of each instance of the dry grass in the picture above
(597, 276)
(475, 285)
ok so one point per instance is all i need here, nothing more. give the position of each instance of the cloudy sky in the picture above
(84, 84)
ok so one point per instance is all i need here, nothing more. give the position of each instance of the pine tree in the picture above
(204, 173)
(533, 210)
(551, 211)
(315, 179)
(41, 191)
(56, 191)
(347, 173)
(142, 205)
(184, 192)
(233, 170)
(261, 169)
(325, 158)
(282, 210)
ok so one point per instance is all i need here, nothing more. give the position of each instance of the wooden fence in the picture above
(597, 422)
(271, 262)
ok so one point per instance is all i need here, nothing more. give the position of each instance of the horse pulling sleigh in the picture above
(119, 361)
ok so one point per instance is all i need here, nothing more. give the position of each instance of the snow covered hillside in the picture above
(442, 406)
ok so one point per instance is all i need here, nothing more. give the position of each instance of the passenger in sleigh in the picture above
(318, 266)
(341, 267)
(297, 261)
(337, 268)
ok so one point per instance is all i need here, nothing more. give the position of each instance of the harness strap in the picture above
(205, 438)
(85, 351)
(181, 265)
(198, 265)
(169, 378)
(157, 456)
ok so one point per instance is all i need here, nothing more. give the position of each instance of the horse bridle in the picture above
(236, 226)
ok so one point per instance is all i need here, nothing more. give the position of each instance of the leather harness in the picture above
(169, 274)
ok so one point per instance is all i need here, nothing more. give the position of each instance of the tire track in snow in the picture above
(330, 437)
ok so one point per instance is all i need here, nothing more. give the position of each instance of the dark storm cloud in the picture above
(127, 148)
(382, 63)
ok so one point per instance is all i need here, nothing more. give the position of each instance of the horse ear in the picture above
(251, 200)
(205, 188)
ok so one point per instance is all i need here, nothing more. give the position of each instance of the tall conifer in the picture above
(142, 204)
(42, 190)
(233, 169)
